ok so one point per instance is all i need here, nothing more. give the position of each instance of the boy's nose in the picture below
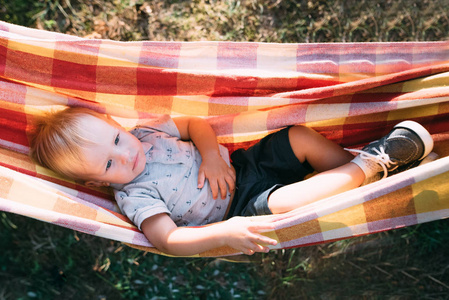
(124, 156)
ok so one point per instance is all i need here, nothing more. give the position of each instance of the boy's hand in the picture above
(218, 173)
(213, 168)
(245, 235)
(239, 233)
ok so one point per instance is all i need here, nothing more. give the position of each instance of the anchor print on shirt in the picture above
(169, 154)
(180, 220)
(149, 154)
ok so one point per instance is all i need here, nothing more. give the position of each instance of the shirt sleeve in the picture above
(164, 123)
(140, 204)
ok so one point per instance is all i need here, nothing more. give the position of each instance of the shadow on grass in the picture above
(43, 261)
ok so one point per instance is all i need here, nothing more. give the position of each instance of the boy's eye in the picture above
(117, 139)
(108, 165)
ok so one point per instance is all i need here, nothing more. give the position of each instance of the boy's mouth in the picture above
(135, 161)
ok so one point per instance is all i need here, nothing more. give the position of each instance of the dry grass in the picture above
(248, 20)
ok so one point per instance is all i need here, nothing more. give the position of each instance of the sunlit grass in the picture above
(232, 20)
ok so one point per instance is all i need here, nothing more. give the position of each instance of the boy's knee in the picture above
(300, 132)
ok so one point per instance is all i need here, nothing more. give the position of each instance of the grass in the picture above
(41, 261)
(249, 20)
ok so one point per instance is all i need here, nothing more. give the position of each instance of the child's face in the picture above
(116, 156)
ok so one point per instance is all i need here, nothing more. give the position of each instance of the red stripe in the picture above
(3, 52)
(13, 125)
(71, 75)
(156, 81)
(235, 86)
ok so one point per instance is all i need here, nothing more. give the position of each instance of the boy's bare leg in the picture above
(337, 173)
(320, 186)
(321, 153)
(406, 144)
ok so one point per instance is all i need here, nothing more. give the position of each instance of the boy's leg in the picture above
(322, 154)
(336, 173)
(404, 145)
(320, 186)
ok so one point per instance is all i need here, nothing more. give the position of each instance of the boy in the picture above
(169, 173)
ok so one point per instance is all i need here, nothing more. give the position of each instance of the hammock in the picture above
(351, 93)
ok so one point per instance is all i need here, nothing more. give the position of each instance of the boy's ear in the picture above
(92, 183)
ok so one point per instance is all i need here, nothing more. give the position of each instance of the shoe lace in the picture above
(381, 157)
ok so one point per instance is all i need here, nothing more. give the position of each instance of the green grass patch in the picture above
(43, 261)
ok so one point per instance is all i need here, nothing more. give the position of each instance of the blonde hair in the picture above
(57, 139)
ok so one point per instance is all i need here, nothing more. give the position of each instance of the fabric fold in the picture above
(351, 93)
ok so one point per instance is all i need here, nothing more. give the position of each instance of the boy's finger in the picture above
(268, 241)
(261, 226)
(231, 173)
(214, 188)
(262, 239)
(261, 248)
(201, 179)
(231, 183)
(255, 247)
(223, 188)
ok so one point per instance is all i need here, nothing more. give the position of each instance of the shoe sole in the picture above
(423, 134)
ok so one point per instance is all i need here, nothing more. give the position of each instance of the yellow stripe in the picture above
(26, 193)
(431, 194)
(414, 112)
(186, 106)
(250, 122)
(438, 80)
(40, 48)
(351, 216)
(317, 112)
(109, 100)
(112, 55)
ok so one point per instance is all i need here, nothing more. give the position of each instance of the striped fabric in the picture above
(351, 93)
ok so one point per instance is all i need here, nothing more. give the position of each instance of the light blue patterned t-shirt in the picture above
(169, 181)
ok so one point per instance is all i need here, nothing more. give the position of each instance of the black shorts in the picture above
(261, 169)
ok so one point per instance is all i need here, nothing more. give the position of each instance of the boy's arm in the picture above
(213, 168)
(239, 233)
